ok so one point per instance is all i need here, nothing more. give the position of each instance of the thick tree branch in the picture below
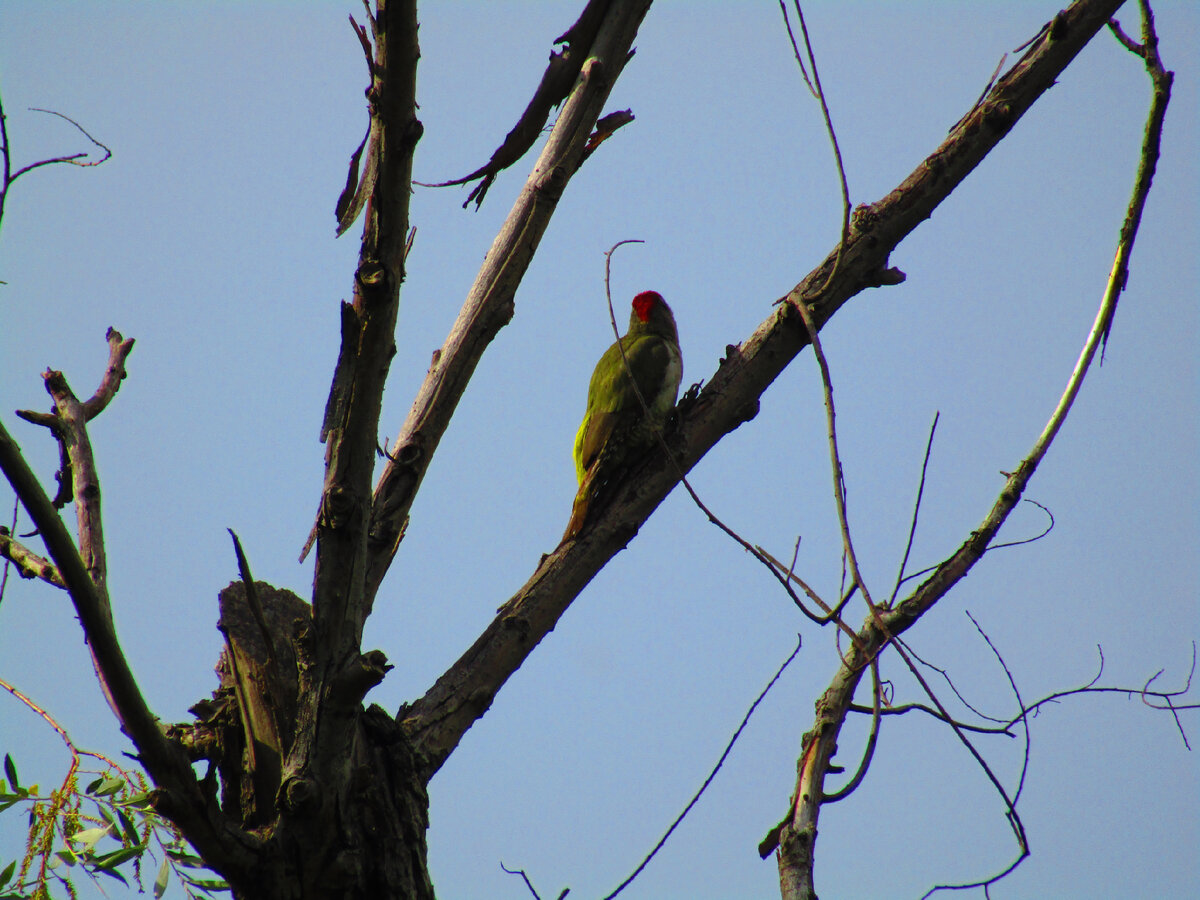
(68, 423)
(489, 304)
(440, 718)
(340, 601)
(318, 801)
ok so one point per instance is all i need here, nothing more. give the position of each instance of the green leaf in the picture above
(92, 785)
(160, 882)
(186, 859)
(208, 884)
(5, 803)
(141, 800)
(89, 837)
(107, 816)
(7, 873)
(67, 855)
(10, 772)
(109, 786)
(110, 860)
(128, 829)
(114, 874)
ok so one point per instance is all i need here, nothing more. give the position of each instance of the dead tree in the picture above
(311, 794)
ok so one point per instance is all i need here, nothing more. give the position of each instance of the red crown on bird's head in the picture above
(644, 302)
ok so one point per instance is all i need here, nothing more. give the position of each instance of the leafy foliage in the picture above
(108, 827)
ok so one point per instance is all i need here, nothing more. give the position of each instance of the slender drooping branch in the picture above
(799, 835)
(440, 718)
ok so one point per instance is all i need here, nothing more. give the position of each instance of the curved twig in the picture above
(1024, 718)
(872, 739)
(814, 86)
(1014, 818)
(835, 459)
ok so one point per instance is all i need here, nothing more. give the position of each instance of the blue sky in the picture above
(208, 237)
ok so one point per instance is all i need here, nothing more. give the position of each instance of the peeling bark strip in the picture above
(556, 84)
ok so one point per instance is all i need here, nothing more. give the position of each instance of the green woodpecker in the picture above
(615, 426)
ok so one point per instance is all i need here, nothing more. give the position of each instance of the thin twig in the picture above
(832, 614)
(1014, 818)
(787, 23)
(524, 878)
(815, 87)
(1020, 705)
(949, 683)
(990, 547)
(1004, 726)
(711, 775)
(839, 481)
(75, 159)
(8, 177)
(1029, 540)
(912, 528)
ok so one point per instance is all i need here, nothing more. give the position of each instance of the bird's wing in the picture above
(612, 402)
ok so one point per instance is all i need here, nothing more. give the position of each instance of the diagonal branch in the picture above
(440, 718)
(489, 305)
(222, 846)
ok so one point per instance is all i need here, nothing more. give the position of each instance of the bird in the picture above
(617, 427)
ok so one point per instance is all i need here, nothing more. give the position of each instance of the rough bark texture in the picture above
(367, 838)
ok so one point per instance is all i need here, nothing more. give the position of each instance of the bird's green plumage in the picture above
(651, 352)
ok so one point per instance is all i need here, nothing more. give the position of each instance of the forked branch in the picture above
(799, 834)
(82, 570)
